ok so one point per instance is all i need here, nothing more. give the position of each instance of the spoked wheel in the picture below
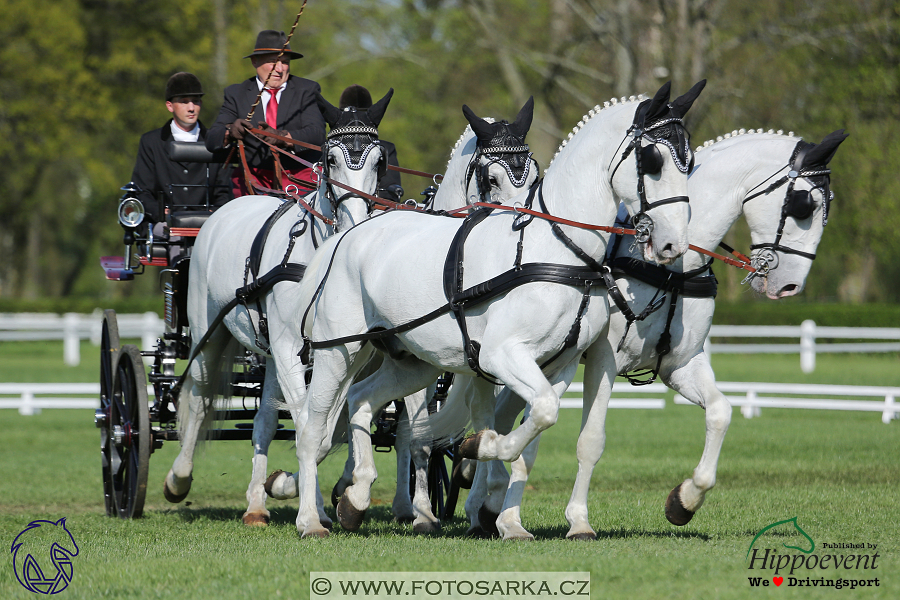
(109, 349)
(443, 498)
(130, 436)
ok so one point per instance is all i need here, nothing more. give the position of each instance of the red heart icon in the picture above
(778, 580)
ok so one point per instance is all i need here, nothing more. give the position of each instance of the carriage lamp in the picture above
(131, 212)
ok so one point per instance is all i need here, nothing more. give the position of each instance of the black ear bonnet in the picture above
(503, 143)
(355, 131)
(666, 129)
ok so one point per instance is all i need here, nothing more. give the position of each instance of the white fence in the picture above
(30, 398)
(71, 328)
(756, 396)
(809, 335)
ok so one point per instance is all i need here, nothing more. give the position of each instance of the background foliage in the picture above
(81, 80)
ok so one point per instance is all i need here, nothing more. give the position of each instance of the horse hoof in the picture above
(173, 497)
(488, 520)
(587, 537)
(469, 446)
(426, 527)
(315, 533)
(255, 519)
(349, 517)
(271, 481)
(676, 513)
(463, 475)
(522, 536)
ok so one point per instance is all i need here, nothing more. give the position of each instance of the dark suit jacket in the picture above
(298, 113)
(164, 181)
(390, 177)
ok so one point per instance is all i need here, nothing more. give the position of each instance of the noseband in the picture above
(668, 131)
(796, 204)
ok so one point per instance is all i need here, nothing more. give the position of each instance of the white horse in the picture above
(398, 255)
(493, 165)
(781, 184)
(221, 262)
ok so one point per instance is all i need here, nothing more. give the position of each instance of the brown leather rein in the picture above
(741, 261)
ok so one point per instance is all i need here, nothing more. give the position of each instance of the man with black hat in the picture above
(389, 185)
(161, 179)
(287, 104)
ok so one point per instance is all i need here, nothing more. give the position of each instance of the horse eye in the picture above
(494, 181)
(331, 160)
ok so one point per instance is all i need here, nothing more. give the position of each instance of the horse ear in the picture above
(659, 102)
(483, 130)
(329, 111)
(376, 112)
(681, 104)
(523, 120)
(822, 153)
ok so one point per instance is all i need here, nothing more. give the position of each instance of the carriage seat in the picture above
(188, 218)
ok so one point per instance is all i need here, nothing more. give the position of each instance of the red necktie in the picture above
(272, 108)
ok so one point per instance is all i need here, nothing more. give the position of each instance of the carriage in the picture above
(133, 424)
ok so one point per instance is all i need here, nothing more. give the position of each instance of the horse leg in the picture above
(696, 382)
(194, 406)
(394, 379)
(599, 373)
(402, 506)
(264, 425)
(522, 375)
(509, 523)
(416, 406)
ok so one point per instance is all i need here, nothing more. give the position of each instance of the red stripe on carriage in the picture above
(184, 231)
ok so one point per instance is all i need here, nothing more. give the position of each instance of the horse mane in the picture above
(738, 132)
(591, 114)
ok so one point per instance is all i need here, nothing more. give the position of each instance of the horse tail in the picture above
(212, 378)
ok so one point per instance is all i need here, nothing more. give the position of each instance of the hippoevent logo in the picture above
(774, 566)
(42, 556)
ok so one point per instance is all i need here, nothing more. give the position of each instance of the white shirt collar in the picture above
(180, 135)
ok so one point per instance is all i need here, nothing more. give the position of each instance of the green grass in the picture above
(837, 472)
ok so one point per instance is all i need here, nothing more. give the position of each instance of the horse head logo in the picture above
(36, 541)
(812, 544)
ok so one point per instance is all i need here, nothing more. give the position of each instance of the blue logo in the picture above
(30, 550)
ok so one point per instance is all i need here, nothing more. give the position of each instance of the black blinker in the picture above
(800, 204)
(651, 160)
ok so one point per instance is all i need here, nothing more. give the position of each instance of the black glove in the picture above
(275, 142)
(237, 129)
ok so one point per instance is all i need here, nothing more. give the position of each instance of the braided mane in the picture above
(738, 132)
(591, 114)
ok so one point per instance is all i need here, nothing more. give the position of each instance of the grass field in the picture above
(838, 473)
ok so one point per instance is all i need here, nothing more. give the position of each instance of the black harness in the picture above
(460, 298)
(798, 204)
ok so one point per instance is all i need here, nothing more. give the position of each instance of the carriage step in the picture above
(244, 415)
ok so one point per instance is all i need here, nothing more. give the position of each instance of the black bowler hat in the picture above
(355, 95)
(272, 42)
(183, 84)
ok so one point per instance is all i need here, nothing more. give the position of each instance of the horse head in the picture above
(655, 162)
(353, 156)
(501, 165)
(787, 222)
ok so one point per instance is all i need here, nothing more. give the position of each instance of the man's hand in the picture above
(238, 129)
(283, 133)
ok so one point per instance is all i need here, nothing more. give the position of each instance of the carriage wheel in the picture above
(443, 498)
(130, 434)
(109, 348)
